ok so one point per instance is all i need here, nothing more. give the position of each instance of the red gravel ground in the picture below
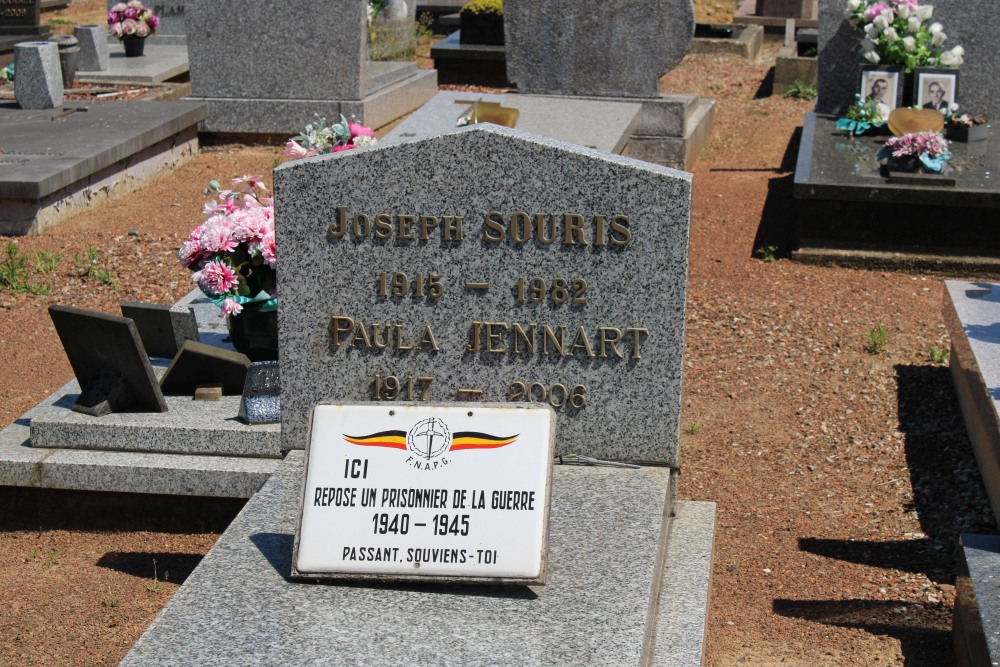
(843, 475)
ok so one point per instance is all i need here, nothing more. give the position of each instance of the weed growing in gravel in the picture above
(53, 558)
(767, 252)
(110, 602)
(155, 585)
(87, 264)
(878, 336)
(14, 272)
(801, 91)
(693, 428)
(938, 355)
(46, 262)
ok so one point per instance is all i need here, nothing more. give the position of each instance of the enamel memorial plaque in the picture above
(415, 493)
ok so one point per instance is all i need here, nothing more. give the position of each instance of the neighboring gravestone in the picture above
(163, 329)
(595, 47)
(202, 364)
(488, 265)
(969, 23)
(21, 18)
(94, 53)
(39, 83)
(269, 68)
(108, 360)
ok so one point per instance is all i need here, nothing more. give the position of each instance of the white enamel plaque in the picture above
(402, 491)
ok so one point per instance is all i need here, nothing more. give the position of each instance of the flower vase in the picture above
(134, 46)
(975, 133)
(255, 332)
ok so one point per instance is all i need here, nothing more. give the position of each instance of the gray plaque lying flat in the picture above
(261, 402)
(108, 360)
(162, 328)
(199, 363)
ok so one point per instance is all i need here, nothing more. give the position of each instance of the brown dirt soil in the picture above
(843, 475)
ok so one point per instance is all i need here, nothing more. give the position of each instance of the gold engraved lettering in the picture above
(361, 226)
(521, 335)
(338, 229)
(573, 232)
(607, 341)
(636, 332)
(494, 336)
(376, 343)
(341, 327)
(474, 336)
(545, 237)
(558, 344)
(427, 223)
(399, 339)
(383, 226)
(494, 221)
(361, 336)
(406, 227)
(453, 228)
(599, 231)
(619, 225)
(520, 227)
(427, 340)
(581, 342)
(379, 336)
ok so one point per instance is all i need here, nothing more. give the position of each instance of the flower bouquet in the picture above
(900, 32)
(232, 253)
(911, 152)
(319, 138)
(964, 127)
(862, 116)
(130, 20)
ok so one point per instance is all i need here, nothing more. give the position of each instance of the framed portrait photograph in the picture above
(884, 85)
(935, 88)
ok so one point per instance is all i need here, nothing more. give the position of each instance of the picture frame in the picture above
(884, 82)
(935, 88)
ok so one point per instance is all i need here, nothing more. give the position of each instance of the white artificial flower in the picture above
(925, 12)
(891, 35)
(958, 51)
(871, 32)
(913, 24)
(953, 107)
(938, 39)
(947, 58)
(936, 28)
(872, 57)
(867, 45)
(888, 15)
(880, 22)
(909, 44)
(853, 5)
(903, 11)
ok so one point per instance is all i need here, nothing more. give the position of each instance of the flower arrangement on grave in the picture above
(233, 253)
(962, 126)
(319, 138)
(901, 32)
(130, 20)
(929, 148)
(861, 116)
(964, 119)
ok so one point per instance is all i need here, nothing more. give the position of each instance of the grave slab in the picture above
(845, 205)
(54, 161)
(976, 622)
(595, 608)
(745, 41)
(771, 17)
(972, 313)
(458, 63)
(161, 62)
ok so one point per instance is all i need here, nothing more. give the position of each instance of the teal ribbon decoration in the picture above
(856, 127)
(935, 164)
(266, 301)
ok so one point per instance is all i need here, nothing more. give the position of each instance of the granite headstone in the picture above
(39, 82)
(94, 53)
(608, 48)
(969, 23)
(163, 329)
(488, 265)
(200, 364)
(21, 17)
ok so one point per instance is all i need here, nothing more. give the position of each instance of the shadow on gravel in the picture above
(777, 220)
(160, 566)
(924, 632)
(48, 509)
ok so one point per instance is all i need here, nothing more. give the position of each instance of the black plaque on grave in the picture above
(261, 403)
(21, 17)
(199, 363)
(162, 328)
(108, 360)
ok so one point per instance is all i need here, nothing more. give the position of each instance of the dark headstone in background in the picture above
(20, 17)
(162, 328)
(108, 360)
(198, 363)
(261, 402)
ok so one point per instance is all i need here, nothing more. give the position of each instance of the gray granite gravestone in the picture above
(39, 83)
(94, 54)
(969, 23)
(199, 364)
(108, 360)
(488, 265)
(270, 68)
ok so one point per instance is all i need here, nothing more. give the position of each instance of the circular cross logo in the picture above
(429, 438)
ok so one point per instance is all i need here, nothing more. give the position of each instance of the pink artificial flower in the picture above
(218, 235)
(295, 150)
(359, 130)
(117, 31)
(154, 21)
(217, 278)
(129, 26)
(268, 249)
(251, 226)
(911, 4)
(113, 17)
(142, 30)
(252, 180)
(190, 253)
(211, 208)
(134, 4)
(875, 10)
(120, 7)
(347, 147)
(131, 13)
(231, 307)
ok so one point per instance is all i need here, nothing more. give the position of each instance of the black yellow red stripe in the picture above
(391, 439)
(475, 440)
